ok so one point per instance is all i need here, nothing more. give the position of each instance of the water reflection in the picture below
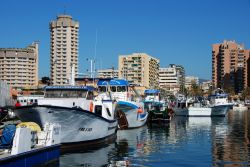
(88, 158)
(231, 147)
(185, 141)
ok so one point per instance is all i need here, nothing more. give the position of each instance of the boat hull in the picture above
(219, 110)
(241, 108)
(44, 156)
(130, 109)
(77, 125)
(180, 111)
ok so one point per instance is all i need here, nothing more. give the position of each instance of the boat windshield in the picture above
(113, 88)
(66, 94)
(151, 94)
(118, 88)
(102, 88)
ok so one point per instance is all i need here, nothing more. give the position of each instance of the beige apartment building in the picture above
(64, 34)
(19, 66)
(230, 66)
(140, 69)
(107, 73)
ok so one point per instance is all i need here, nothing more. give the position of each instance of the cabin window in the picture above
(121, 88)
(90, 96)
(102, 89)
(65, 93)
(98, 110)
(107, 109)
(113, 88)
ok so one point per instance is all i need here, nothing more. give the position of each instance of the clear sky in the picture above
(174, 31)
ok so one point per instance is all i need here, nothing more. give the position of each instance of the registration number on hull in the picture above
(85, 129)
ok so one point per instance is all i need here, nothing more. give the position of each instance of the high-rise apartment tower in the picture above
(230, 66)
(64, 34)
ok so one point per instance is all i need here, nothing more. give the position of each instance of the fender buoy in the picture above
(91, 105)
(32, 125)
(140, 110)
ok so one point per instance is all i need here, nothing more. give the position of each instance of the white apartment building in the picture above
(64, 34)
(19, 66)
(107, 73)
(171, 78)
(206, 86)
(189, 80)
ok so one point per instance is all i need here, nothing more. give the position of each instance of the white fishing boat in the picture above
(129, 105)
(240, 107)
(218, 105)
(180, 106)
(83, 119)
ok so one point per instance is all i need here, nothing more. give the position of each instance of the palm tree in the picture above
(245, 94)
(195, 89)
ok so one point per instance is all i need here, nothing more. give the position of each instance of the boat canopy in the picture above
(219, 95)
(151, 91)
(87, 88)
(116, 82)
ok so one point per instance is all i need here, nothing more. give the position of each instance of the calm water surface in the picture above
(185, 141)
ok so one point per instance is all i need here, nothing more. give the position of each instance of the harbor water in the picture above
(185, 141)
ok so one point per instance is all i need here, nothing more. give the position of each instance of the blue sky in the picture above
(174, 31)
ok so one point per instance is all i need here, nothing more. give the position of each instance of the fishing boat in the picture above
(240, 107)
(129, 105)
(180, 106)
(84, 119)
(156, 106)
(217, 105)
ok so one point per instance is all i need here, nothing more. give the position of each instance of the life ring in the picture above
(91, 106)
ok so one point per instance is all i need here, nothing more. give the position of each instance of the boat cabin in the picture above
(218, 98)
(152, 95)
(69, 92)
(118, 89)
(28, 100)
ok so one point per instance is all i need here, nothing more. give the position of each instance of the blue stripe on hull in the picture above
(127, 104)
(35, 157)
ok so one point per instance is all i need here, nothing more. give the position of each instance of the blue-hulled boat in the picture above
(28, 146)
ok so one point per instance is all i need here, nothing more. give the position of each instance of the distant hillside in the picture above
(203, 80)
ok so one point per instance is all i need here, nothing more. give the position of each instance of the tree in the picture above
(195, 89)
(245, 94)
(46, 80)
(230, 91)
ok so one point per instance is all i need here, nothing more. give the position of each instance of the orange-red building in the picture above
(230, 66)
